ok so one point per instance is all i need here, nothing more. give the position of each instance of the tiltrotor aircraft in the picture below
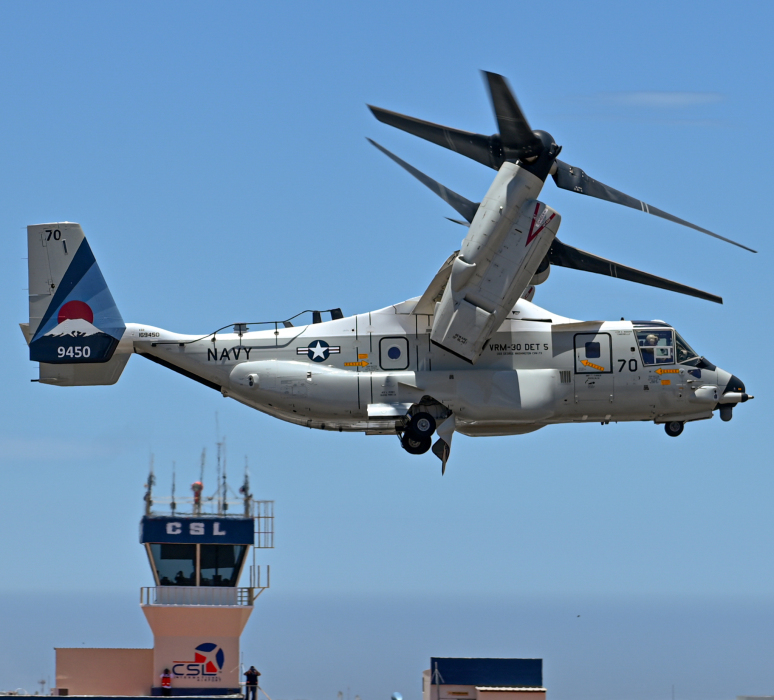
(471, 355)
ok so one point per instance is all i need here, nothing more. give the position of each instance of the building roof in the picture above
(505, 689)
(487, 673)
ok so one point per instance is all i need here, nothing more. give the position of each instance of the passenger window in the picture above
(592, 351)
(656, 346)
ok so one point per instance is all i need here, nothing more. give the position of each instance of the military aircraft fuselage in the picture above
(366, 372)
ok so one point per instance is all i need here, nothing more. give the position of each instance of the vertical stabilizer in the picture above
(73, 318)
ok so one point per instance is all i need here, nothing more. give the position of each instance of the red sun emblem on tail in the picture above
(75, 310)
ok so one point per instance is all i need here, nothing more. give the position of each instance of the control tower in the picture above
(196, 609)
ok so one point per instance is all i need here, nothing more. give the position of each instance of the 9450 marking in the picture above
(76, 351)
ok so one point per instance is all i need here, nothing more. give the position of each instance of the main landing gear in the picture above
(417, 438)
(674, 428)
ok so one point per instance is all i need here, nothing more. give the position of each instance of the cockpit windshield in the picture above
(661, 346)
(684, 351)
(656, 346)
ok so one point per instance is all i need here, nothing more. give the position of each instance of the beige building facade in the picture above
(104, 671)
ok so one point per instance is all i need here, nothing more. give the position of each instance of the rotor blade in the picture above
(566, 256)
(574, 179)
(464, 207)
(478, 147)
(515, 131)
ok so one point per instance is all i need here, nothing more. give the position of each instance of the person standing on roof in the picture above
(251, 683)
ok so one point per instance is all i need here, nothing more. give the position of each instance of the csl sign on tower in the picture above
(219, 530)
(207, 664)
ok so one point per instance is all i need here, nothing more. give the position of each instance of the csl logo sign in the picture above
(206, 665)
(195, 529)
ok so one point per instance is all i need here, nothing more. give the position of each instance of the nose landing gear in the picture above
(674, 428)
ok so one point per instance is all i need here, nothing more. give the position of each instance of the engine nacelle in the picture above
(506, 244)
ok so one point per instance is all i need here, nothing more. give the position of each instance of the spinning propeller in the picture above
(535, 151)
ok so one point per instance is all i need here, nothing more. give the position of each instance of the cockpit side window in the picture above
(656, 346)
(684, 351)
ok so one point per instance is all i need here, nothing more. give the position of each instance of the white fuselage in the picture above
(365, 372)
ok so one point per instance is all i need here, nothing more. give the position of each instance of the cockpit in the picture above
(662, 345)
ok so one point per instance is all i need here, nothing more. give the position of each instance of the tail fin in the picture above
(73, 318)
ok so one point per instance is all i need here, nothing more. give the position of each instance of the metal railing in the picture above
(199, 595)
(263, 514)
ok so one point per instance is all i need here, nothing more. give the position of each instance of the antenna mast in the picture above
(173, 505)
(148, 498)
(224, 497)
(244, 489)
(219, 445)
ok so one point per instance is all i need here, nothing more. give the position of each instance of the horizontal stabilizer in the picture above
(564, 255)
(97, 374)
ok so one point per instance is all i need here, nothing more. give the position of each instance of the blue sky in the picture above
(215, 156)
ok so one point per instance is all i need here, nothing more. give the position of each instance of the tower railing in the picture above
(199, 595)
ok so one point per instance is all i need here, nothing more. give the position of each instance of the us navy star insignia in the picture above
(319, 351)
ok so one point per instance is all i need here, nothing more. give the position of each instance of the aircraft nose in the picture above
(735, 385)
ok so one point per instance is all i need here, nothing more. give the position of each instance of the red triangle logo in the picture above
(199, 658)
(210, 667)
(533, 233)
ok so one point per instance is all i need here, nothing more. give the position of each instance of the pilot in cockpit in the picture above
(656, 347)
(651, 340)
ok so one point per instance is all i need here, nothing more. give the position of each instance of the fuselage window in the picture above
(656, 346)
(592, 351)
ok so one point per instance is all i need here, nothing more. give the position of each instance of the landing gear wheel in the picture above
(415, 444)
(422, 425)
(674, 428)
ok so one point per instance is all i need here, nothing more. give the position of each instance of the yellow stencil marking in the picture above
(356, 364)
(667, 371)
(363, 356)
(664, 382)
(591, 364)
